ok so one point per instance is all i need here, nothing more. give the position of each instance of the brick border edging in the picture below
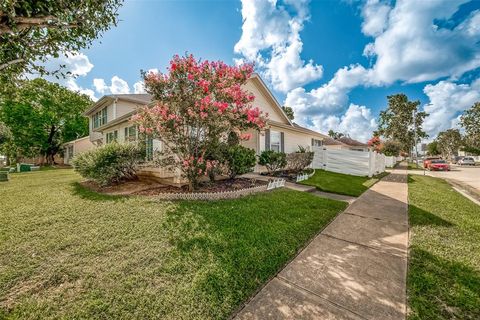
(209, 196)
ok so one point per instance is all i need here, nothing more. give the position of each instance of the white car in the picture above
(466, 161)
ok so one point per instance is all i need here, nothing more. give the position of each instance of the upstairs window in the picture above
(100, 118)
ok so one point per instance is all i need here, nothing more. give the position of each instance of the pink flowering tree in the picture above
(198, 104)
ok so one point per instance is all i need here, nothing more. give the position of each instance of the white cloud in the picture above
(139, 87)
(330, 97)
(446, 101)
(412, 48)
(357, 121)
(71, 84)
(117, 86)
(375, 14)
(275, 28)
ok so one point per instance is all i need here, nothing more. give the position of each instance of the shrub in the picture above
(391, 148)
(272, 160)
(239, 160)
(109, 164)
(299, 160)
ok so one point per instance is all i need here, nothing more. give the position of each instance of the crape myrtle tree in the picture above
(198, 104)
(32, 31)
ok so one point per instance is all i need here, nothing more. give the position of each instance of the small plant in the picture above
(272, 160)
(239, 160)
(109, 164)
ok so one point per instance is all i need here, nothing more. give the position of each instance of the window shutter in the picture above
(267, 139)
(282, 142)
(313, 143)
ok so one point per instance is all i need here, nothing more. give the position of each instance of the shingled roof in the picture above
(352, 142)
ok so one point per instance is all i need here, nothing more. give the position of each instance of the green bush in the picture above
(4, 176)
(239, 160)
(109, 164)
(25, 167)
(272, 160)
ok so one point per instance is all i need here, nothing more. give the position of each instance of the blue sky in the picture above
(334, 62)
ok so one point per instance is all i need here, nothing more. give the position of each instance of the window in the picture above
(112, 136)
(131, 133)
(317, 143)
(100, 118)
(70, 152)
(275, 141)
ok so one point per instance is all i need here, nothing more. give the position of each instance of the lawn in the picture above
(414, 166)
(444, 262)
(69, 253)
(341, 183)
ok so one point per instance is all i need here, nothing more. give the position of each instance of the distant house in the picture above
(109, 121)
(345, 143)
(75, 147)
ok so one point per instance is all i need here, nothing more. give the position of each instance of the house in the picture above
(345, 143)
(74, 147)
(109, 121)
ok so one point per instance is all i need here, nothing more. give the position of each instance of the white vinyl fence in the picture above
(358, 163)
(392, 161)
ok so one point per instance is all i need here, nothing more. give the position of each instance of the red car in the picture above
(439, 165)
(429, 160)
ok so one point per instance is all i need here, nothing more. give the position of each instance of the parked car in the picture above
(457, 158)
(466, 161)
(428, 160)
(438, 164)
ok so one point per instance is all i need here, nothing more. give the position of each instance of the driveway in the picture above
(466, 174)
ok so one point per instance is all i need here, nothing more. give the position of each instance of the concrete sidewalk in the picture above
(355, 269)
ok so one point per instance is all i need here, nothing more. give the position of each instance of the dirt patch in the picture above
(151, 188)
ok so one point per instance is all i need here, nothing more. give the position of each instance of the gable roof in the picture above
(352, 142)
(142, 98)
(328, 141)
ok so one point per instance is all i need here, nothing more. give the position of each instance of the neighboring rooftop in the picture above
(352, 142)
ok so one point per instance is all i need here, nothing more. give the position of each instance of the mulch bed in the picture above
(151, 188)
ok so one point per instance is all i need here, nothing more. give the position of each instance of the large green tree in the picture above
(449, 141)
(41, 116)
(470, 121)
(432, 148)
(289, 112)
(335, 135)
(32, 31)
(402, 121)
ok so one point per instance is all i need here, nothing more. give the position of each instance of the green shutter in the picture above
(267, 139)
(149, 149)
(282, 142)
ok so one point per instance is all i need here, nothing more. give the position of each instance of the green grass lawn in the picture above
(413, 166)
(341, 183)
(444, 263)
(73, 254)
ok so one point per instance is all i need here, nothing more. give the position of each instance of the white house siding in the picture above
(263, 103)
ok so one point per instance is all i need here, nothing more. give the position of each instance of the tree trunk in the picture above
(51, 149)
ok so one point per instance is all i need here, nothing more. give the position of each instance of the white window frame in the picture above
(276, 145)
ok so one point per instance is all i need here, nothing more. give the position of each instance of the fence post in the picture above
(371, 163)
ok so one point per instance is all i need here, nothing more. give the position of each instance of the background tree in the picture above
(196, 105)
(449, 142)
(41, 116)
(391, 148)
(335, 135)
(31, 31)
(470, 121)
(432, 148)
(402, 122)
(289, 112)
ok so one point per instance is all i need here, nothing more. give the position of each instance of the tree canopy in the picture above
(470, 121)
(402, 121)
(289, 112)
(31, 31)
(40, 117)
(449, 141)
(335, 135)
(432, 148)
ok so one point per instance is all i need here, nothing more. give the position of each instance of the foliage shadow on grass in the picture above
(428, 277)
(87, 194)
(420, 217)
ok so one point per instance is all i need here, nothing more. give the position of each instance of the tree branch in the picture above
(7, 64)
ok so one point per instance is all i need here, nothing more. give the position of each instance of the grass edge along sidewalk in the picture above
(444, 259)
